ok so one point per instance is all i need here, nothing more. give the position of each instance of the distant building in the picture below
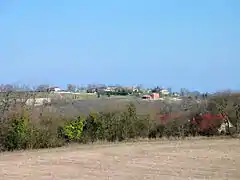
(155, 95)
(146, 97)
(108, 89)
(164, 92)
(176, 94)
(53, 89)
(92, 90)
(152, 96)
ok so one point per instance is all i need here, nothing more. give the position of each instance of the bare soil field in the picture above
(187, 159)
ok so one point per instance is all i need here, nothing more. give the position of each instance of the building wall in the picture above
(155, 95)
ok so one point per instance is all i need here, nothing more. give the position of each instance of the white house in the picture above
(164, 92)
(54, 89)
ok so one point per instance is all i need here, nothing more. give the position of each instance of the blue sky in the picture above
(172, 43)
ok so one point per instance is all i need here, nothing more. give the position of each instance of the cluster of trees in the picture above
(99, 88)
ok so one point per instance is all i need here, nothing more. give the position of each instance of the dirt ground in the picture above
(189, 159)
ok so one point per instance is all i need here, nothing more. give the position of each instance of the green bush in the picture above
(73, 129)
(42, 138)
(119, 126)
(172, 129)
(109, 129)
(92, 129)
(17, 132)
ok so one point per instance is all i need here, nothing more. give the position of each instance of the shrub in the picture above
(110, 129)
(73, 129)
(42, 138)
(16, 134)
(116, 126)
(172, 129)
(92, 129)
(157, 131)
(142, 127)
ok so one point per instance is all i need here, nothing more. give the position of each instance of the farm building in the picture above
(53, 89)
(164, 92)
(146, 97)
(155, 95)
(152, 96)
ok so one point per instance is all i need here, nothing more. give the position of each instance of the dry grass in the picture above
(188, 159)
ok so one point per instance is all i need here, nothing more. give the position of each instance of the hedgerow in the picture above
(20, 128)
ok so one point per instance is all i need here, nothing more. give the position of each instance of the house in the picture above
(135, 89)
(111, 89)
(91, 90)
(164, 92)
(155, 95)
(114, 88)
(152, 96)
(175, 94)
(53, 89)
(146, 97)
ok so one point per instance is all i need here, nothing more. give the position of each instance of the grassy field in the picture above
(77, 107)
(49, 95)
(67, 95)
(188, 159)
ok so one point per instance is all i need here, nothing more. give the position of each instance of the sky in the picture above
(170, 43)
